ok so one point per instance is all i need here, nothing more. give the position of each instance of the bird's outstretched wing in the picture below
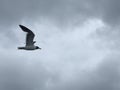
(29, 37)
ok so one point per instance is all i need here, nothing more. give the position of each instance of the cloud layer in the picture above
(79, 40)
(59, 10)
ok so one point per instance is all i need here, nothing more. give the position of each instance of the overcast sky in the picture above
(80, 41)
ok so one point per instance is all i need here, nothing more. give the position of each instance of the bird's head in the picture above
(38, 47)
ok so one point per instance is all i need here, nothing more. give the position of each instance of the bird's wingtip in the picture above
(20, 25)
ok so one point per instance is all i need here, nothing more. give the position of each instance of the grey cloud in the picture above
(58, 10)
(17, 73)
(104, 77)
(108, 11)
(63, 11)
(63, 53)
(21, 73)
(111, 12)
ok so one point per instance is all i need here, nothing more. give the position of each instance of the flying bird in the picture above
(29, 39)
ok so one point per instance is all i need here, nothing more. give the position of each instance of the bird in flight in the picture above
(29, 39)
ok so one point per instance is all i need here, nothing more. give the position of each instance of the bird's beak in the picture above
(39, 48)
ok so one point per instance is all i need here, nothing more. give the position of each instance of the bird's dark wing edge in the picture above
(29, 37)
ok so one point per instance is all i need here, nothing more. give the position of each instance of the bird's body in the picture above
(28, 48)
(29, 39)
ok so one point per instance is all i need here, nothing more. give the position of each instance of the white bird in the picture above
(29, 39)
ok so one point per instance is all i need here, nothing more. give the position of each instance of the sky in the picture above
(79, 41)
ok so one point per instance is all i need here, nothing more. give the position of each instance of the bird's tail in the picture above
(21, 48)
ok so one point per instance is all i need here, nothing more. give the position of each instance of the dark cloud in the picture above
(111, 12)
(61, 11)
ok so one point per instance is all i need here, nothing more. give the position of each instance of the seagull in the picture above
(29, 39)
